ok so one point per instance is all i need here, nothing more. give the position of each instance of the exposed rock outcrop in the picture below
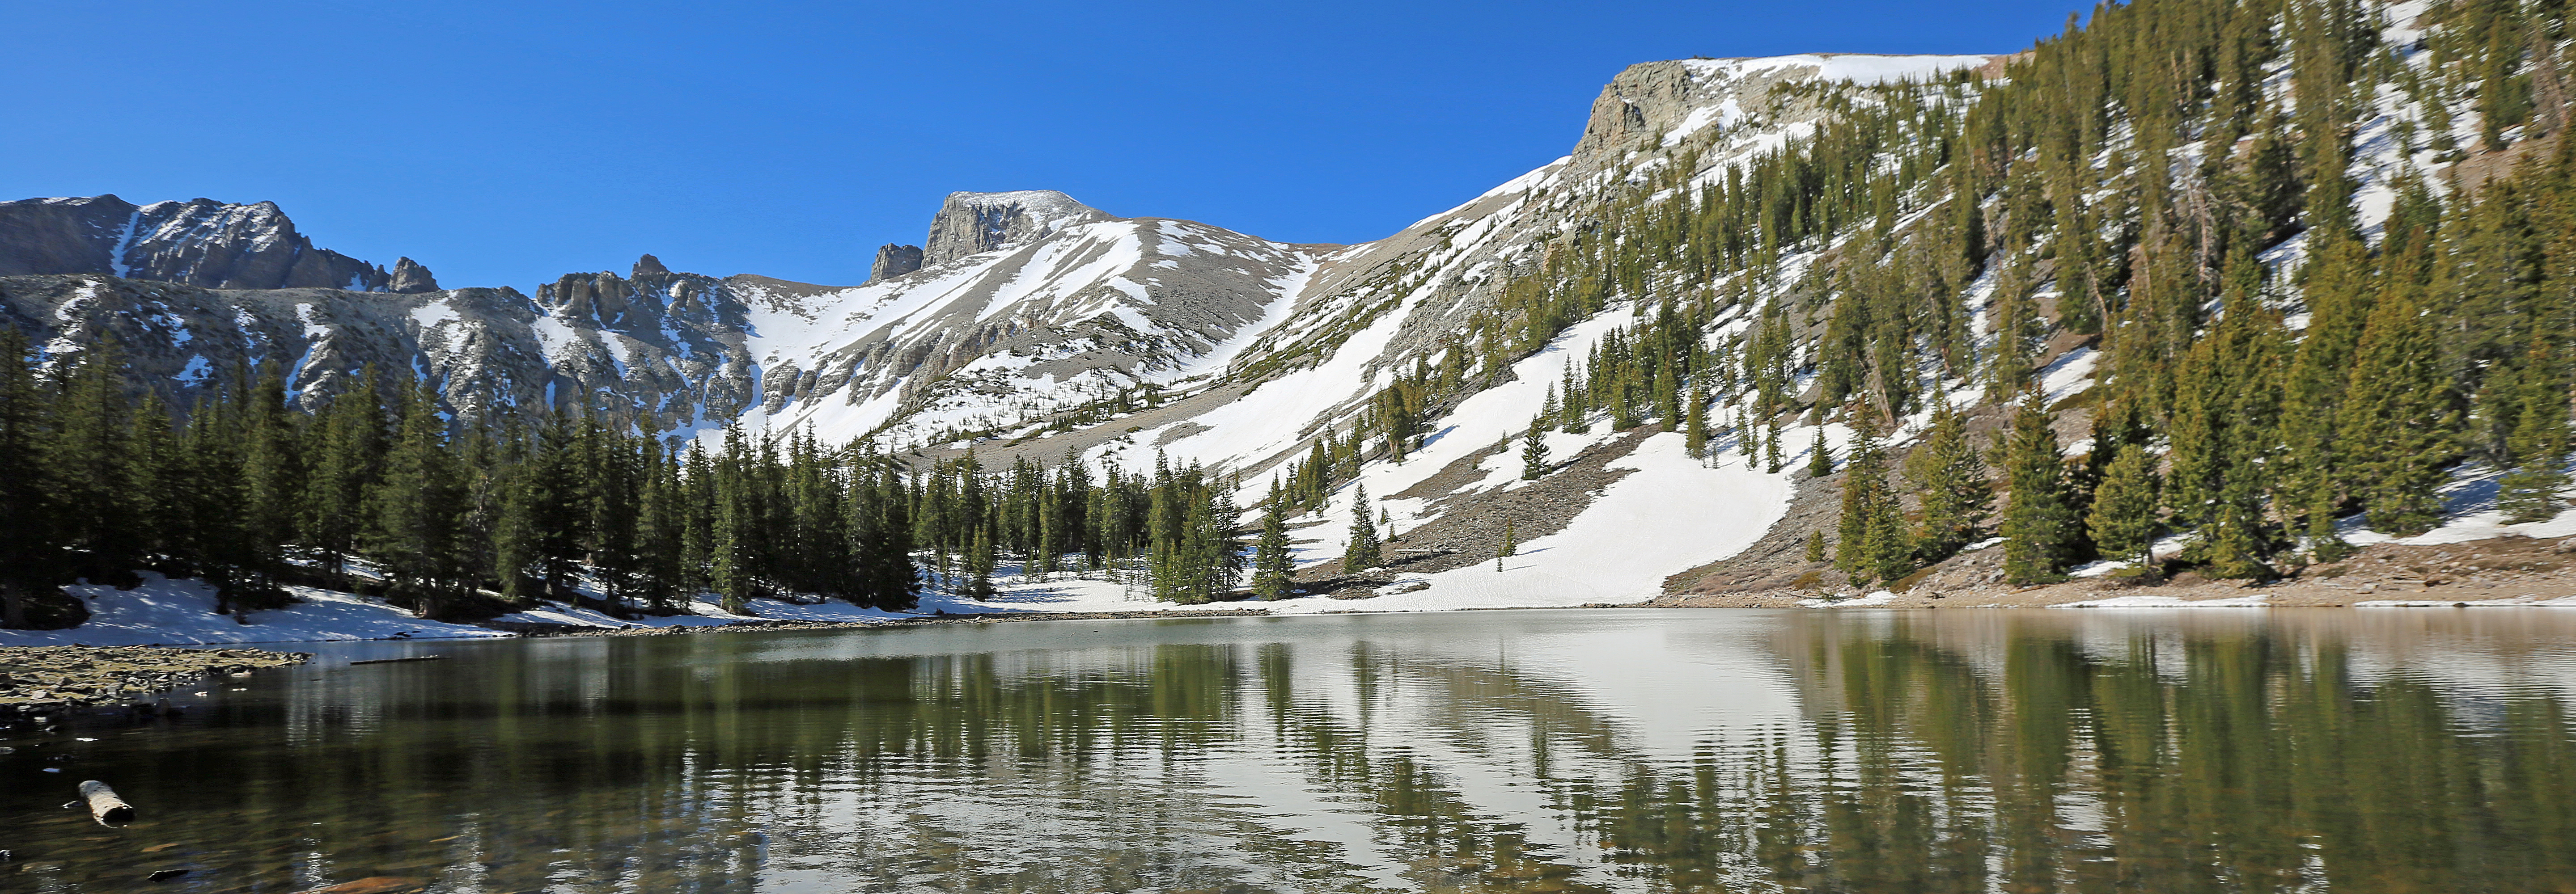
(199, 242)
(893, 261)
(971, 223)
(410, 278)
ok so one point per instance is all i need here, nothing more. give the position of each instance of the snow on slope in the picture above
(172, 612)
(1003, 336)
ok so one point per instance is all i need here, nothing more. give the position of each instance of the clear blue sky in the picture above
(509, 143)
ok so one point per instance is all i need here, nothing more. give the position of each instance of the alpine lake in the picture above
(1579, 750)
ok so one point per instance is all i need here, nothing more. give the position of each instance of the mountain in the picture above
(1755, 333)
(199, 242)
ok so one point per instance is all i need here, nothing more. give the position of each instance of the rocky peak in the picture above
(1655, 104)
(893, 261)
(410, 277)
(647, 265)
(199, 242)
(971, 223)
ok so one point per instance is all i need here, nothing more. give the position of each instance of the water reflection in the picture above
(1489, 751)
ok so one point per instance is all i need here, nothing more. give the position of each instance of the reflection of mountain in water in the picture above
(1951, 751)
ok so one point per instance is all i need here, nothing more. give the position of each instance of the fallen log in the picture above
(104, 805)
(404, 658)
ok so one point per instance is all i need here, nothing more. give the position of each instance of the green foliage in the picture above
(1534, 451)
(1950, 480)
(1271, 562)
(1872, 545)
(2123, 523)
(2041, 532)
(1362, 552)
(2538, 447)
(2398, 418)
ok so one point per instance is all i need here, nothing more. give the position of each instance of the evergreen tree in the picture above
(2529, 493)
(347, 454)
(1771, 446)
(1534, 452)
(2398, 421)
(1511, 545)
(1271, 564)
(92, 466)
(413, 530)
(2039, 525)
(1872, 543)
(980, 562)
(1949, 479)
(1816, 545)
(1695, 425)
(1361, 553)
(2123, 523)
(1820, 460)
(28, 531)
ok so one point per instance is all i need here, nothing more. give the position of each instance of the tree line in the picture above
(240, 490)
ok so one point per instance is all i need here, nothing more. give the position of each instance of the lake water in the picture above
(1616, 750)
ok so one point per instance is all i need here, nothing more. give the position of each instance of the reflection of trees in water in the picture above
(1999, 752)
(2232, 757)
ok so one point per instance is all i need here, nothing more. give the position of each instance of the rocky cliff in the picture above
(199, 242)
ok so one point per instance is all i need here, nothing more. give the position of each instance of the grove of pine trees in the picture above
(2257, 407)
(251, 497)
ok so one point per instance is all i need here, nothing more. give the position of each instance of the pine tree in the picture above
(2039, 525)
(1271, 565)
(413, 514)
(1816, 545)
(2123, 523)
(1872, 545)
(2339, 295)
(732, 559)
(1534, 452)
(1362, 552)
(980, 562)
(1771, 446)
(1511, 545)
(347, 455)
(92, 465)
(1820, 459)
(2529, 493)
(28, 533)
(1695, 425)
(1949, 480)
(2398, 422)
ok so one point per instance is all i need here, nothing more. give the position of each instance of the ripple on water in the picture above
(1573, 751)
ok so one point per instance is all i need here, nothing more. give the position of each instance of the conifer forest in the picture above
(2174, 185)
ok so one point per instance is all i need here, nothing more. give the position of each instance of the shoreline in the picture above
(37, 679)
(2503, 572)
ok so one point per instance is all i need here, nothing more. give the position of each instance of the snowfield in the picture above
(182, 612)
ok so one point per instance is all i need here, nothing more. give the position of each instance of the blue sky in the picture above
(509, 143)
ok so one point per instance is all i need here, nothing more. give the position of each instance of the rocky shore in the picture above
(2499, 571)
(43, 678)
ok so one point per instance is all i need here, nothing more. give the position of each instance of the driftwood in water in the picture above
(104, 804)
(404, 658)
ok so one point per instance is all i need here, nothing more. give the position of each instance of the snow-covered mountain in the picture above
(199, 242)
(1029, 324)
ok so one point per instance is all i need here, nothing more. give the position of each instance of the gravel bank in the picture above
(41, 678)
